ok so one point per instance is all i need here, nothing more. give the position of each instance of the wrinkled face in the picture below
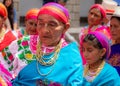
(115, 29)
(50, 30)
(91, 54)
(8, 3)
(94, 17)
(31, 25)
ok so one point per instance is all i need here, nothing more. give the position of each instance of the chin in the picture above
(114, 38)
(88, 62)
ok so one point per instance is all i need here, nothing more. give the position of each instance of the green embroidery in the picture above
(8, 57)
(24, 49)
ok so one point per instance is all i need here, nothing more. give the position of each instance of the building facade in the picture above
(78, 9)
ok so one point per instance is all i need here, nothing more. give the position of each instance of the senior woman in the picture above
(57, 63)
(30, 24)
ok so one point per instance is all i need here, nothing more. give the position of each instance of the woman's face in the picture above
(94, 17)
(50, 30)
(115, 29)
(31, 25)
(91, 54)
(8, 3)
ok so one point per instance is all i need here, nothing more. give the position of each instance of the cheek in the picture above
(97, 20)
(58, 32)
(39, 31)
(56, 35)
(28, 27)
(118, 33)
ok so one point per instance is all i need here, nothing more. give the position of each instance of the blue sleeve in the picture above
(15, 15)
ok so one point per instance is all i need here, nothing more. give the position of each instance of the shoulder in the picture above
(71, 52)
(110, 71)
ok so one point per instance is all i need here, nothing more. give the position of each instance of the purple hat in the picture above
(103, 41)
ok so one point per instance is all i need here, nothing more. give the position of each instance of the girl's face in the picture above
(31, 26)
(115, 29)
(50, 30)
(91, 54)
(94, 17)
(8, 3)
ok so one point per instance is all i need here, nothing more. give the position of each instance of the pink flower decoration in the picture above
(55, 84)
(11, 57)
(25, 43)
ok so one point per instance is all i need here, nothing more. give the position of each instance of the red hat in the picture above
(101, 9)
(32, 13)
(3, 11)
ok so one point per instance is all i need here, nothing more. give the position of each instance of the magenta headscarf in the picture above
(102, 10)
(56, 10)
(103, 40)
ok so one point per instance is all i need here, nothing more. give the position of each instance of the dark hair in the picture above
(118, 18)
(10, 10)
(63, 1)
(93, 40)
(47, 1)
(90, 38)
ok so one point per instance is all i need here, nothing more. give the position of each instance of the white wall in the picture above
(25, 5)
(84, 7)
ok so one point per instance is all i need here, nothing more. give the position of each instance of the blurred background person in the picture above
(12, 15)
(114, 58)
(109, 6)
(6, 38)
(30, 23)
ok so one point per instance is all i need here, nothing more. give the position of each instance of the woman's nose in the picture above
(85, 54)
(46, 28)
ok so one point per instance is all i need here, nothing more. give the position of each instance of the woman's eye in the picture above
(52, 24)
(90, 50)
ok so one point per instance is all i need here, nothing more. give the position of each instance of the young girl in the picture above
(97, 72)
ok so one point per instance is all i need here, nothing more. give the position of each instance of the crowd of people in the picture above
(39, 54)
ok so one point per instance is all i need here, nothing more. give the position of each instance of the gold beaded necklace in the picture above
(50, 61)
(46, 61)
(92, 75)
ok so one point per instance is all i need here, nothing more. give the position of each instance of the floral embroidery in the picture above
(8, 57)
(24, 51)
(115, 60)
(33, 43)
(24, 43)
(46, 82)
(29, 56)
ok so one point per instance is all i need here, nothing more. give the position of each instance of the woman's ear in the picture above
(66, 27)
(102, 52)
